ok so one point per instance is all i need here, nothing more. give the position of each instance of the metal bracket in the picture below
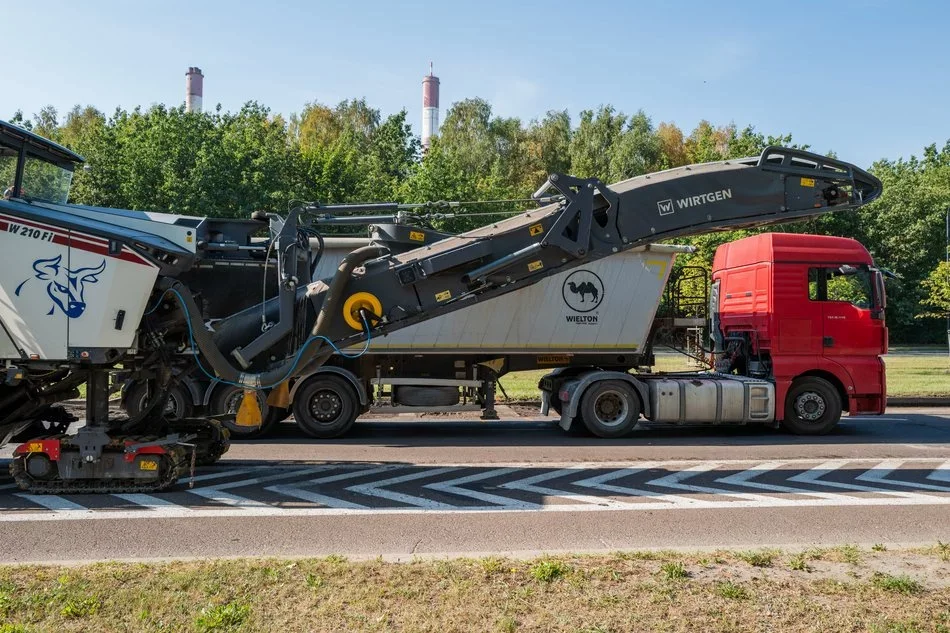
(579, 196)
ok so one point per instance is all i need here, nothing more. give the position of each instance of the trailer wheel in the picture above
(812, 406)
(177, 407)
(325, 406)
(610, 408)
(227, 399)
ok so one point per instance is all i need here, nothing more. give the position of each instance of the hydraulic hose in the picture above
(312, 355)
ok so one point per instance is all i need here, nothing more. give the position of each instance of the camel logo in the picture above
(65, 287)
(583, 291)
(665, 207)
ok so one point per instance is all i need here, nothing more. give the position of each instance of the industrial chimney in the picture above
(194, 89)
(430, 107)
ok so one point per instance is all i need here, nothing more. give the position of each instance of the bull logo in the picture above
(65, 287)
(583, 291)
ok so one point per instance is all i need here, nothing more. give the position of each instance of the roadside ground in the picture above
(836, 589)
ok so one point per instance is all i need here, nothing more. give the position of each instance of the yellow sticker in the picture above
(417, 236)
(533, 266)
(808, 182)
(147, 464)
(445, 295)
(35, 447)
(535, 229)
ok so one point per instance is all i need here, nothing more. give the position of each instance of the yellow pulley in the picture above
(360, 301)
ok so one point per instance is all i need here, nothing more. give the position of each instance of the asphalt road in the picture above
(436, 487)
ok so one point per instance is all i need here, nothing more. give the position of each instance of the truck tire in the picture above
(610, 408)
(227, 399)
(178, 406)
(325, 406)
(812, 406)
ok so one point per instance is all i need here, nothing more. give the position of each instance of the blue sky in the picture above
(867, 79)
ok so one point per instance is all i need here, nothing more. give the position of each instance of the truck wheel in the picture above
(812, 406)
(227, 399)
(325, 406)
(177, 407)
(610, 408)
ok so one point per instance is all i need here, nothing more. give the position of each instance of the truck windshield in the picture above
(46, 181)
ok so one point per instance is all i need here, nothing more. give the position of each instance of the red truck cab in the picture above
(807, 312)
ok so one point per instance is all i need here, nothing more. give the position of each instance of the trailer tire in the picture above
(227, 399)
(325, 406)
(178, 406)
(610, 408)
(812, 406)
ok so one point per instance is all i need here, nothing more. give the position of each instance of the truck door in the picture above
(849, 323)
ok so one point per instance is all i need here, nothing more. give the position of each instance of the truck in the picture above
(797, 330)
(91, 293)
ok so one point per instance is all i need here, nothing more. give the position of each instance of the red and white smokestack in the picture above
(194, 89)
(430, 107)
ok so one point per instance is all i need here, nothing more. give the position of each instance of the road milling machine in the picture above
(89, 293)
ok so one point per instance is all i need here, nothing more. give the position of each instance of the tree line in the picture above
(220, 163)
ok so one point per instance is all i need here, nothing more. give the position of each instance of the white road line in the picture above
(814, 476)
(52, 502)
(374, 489)
(599, 483)
(452, 487)
(878, 475)
(216, 492)
(297, 491)
(528, 484)
(941, 473)
(745, 477)
(149, 501)
(674, 481)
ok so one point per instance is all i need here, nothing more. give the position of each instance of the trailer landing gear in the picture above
(100, 458)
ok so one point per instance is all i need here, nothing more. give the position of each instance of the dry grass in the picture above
(894, 591)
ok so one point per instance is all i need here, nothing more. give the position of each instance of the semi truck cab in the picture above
(806, 312)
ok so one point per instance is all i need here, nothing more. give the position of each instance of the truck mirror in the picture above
(847, 269)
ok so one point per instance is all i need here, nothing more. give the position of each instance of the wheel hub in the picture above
(610, 408)
(325, 406)
(810, 406)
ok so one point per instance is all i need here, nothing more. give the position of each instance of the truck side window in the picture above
(845, 283)
(854, 288)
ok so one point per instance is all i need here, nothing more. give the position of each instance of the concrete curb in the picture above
(918, 402)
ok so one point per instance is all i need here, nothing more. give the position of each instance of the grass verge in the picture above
(889, 591)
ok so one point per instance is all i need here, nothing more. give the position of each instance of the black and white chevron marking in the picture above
(345, 488)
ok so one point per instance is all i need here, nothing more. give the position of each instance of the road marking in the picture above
(873, 475)
(814, 475)
(528, 484)
(215, 493)
(295, 490)
(374, 489)
(52, 502)
(452, 487)
(599, 483)
(149, 501)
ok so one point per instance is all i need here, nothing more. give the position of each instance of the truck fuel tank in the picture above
(710, 399)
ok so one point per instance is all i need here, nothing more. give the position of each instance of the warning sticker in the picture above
(417, 236)
(535, 229)
(808, 182)
(533, 266)
(445, 295)
(148, 464)
(35, 447)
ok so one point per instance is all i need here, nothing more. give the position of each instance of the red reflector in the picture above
(564, 395)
